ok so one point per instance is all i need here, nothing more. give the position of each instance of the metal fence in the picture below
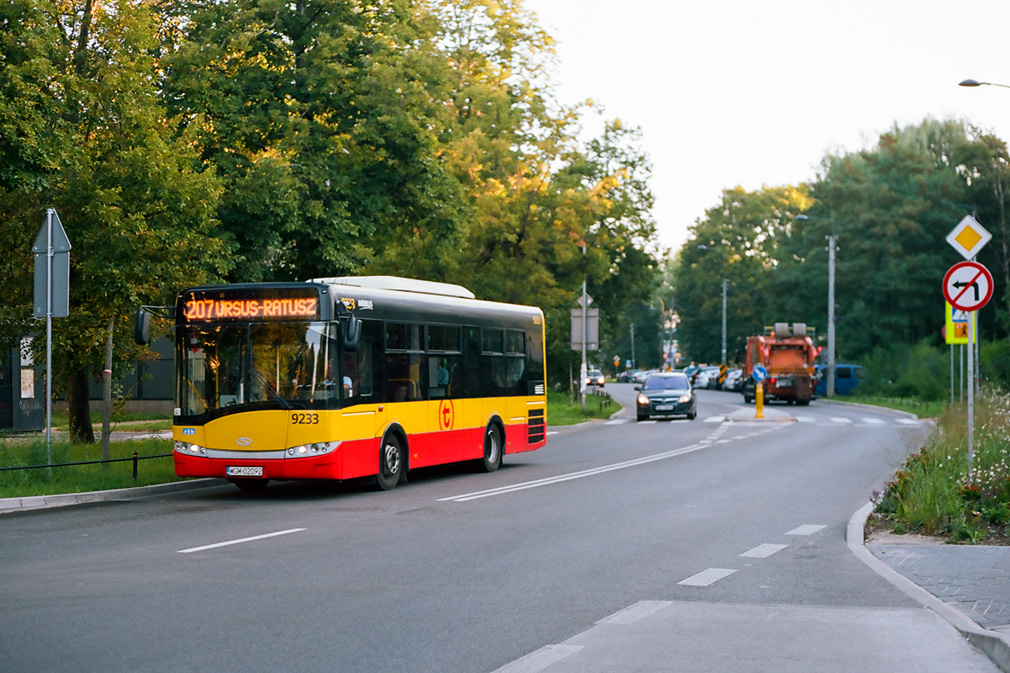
(135, 459)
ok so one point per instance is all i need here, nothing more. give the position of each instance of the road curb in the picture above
(995, 645)
(26, 503)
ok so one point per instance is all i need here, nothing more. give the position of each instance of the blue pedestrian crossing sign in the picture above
(759, 372)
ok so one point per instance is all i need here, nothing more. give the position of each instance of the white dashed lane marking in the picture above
(241, 541)
(706, 577)
(634, 613)
(763, 551)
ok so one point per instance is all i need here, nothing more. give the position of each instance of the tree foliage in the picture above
(133, 199)
(890, 208)
(324, 120)
(743, 240)
(267, 140)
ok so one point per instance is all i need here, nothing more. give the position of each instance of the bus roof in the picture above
(399, 284)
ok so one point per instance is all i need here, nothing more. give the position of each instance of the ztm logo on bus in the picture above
(446, 415)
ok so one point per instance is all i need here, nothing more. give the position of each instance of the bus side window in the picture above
(403, 377)
(442, 376)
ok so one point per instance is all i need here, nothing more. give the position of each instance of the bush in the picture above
(921, 371)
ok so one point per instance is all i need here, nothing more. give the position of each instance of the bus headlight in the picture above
(186, 447)
(316, 449)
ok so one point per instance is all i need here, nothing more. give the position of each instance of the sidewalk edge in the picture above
(8, 505)
(995, 645)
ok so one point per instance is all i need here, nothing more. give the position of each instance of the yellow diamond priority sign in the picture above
(968, 237)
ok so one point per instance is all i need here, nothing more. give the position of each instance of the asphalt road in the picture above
(460, 571)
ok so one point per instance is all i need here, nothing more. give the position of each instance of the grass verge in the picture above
(921, 408)
(19, 452)
(940, 492)
(563, 410)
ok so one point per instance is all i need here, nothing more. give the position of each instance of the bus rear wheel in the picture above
(390, 463)
(492, 449)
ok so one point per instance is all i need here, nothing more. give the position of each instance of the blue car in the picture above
(847, 379)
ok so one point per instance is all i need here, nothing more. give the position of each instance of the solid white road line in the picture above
(502, 490)
(245, 539)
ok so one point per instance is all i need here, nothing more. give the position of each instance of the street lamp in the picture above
(973, 83)
(724, 279)
(831, 304)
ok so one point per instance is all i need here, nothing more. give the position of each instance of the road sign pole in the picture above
(49, 336)
(971, 394)
(830, 390)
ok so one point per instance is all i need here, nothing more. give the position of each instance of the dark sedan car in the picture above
(666, 394)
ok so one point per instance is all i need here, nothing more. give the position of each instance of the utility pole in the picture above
(831, 315)
(633, 360)
(585, 337)
(724, 321)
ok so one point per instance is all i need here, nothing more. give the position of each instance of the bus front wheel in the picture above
(492, 449)
(390, 463)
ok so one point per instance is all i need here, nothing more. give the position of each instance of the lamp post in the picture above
(724, 282)
(973, 83)
(832, 247)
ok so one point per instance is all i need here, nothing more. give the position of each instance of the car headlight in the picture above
(643, 400)
(684, 398)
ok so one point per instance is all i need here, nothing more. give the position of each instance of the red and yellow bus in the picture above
(343, 378)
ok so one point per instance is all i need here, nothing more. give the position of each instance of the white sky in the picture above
(755, 92)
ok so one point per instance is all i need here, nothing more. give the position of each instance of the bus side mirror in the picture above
(142, 327)
(352, 332)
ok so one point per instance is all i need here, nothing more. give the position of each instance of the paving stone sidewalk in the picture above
(973, 579)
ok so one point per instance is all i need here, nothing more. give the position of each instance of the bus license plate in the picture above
(244, 471)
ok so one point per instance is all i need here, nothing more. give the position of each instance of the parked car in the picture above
(595, 378)
(666, 394)
(627, 376)
(706, 377)
(734, 380)
(641, 376)
(847, 379)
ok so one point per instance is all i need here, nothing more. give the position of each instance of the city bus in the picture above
(354, 377)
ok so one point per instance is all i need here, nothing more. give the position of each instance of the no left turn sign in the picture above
(968, 286)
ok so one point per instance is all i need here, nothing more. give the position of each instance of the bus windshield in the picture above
(228, 367)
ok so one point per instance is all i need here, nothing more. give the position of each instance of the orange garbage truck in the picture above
(788, 354)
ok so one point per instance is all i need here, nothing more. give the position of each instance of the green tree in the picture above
(891, 208)
(136, 205)
(323, 118)
(743, 239)
(982, 162)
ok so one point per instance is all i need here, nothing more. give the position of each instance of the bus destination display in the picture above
(273, 308)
